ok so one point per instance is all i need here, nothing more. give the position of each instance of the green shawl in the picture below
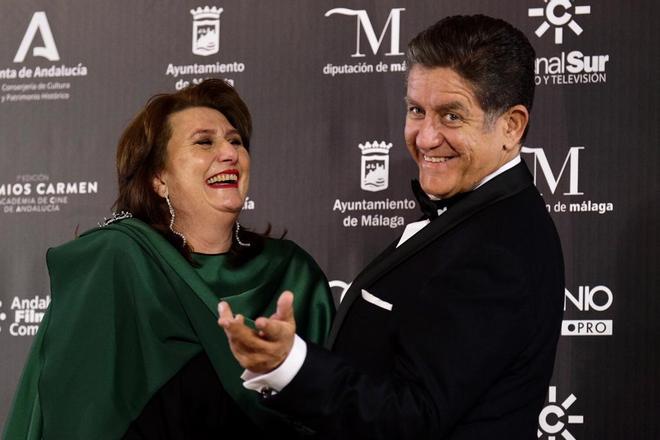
(128, 312)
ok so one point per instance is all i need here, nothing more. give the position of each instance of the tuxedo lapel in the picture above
(501, 187)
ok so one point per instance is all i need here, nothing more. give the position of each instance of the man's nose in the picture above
(429, 135)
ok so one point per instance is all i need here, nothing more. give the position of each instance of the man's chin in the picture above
(435, 188)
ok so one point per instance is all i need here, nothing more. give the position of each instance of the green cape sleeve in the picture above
(127, 312)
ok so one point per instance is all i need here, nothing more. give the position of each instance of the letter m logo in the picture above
(541, 163)
(363, 23)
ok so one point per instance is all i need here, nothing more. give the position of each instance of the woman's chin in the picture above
(230, 207)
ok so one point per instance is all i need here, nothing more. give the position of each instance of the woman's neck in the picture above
(208, 237)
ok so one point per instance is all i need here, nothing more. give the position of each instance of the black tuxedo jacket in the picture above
(450, 336)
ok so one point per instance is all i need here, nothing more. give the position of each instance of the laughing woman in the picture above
(129, 347)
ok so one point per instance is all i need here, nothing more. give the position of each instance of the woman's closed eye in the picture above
(236, 141)
(204, 141)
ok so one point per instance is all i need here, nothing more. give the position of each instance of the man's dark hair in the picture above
(493, 56)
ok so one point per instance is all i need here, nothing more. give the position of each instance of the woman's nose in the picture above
(227, 152)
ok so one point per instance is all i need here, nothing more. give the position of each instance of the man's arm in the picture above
(459, 336)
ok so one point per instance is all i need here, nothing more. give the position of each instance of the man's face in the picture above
(448, 134)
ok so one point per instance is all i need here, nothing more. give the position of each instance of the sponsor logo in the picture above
(542, 168)
(590, 300)
(206, 30)
(586, 327)
(374, 177)
(568, 66)
(558, 181)
(30, 83)
(375, 169)
(39, 23)
(554, 419)
(557, 14)
(205, 42)
(27, 314)
(364, 24)
(36, 193)
(571, 68)
(377, 43)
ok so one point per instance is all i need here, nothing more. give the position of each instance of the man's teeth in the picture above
(222, 178)
(436, 159)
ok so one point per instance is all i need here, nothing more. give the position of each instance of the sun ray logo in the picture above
(206, 30)
(375, 167)
(554, 418)
(552, 18)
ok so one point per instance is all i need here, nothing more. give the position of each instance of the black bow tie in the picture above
(432, 208)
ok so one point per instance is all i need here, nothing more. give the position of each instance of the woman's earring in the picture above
(238, 239)
(172, 215)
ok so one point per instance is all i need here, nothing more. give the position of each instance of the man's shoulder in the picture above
(520, 224)
(516, 209)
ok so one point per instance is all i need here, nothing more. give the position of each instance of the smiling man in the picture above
(451, 332)
(455, 142)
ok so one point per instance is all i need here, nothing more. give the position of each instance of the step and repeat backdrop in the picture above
(324, 81)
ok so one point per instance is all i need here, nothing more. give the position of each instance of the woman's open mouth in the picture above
(224, 179)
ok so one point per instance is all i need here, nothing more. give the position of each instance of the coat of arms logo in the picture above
(375, 167)
(206, 30)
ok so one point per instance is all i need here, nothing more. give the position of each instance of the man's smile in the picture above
(437, 159)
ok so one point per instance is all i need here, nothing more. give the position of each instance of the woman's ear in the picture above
(159, 186)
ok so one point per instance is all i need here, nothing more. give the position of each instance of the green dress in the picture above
(128, 312)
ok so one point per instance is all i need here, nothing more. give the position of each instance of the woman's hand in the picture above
(263, 350)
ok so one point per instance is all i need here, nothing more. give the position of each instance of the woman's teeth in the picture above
(222, 178)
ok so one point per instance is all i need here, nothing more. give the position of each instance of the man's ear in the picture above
(159, 186)
(515, 122)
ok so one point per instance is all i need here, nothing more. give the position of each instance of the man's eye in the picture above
(414, 110)
(452, 117)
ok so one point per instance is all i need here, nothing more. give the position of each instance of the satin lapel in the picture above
(501, 187)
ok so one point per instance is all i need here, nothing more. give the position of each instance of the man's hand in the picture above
(263, 350)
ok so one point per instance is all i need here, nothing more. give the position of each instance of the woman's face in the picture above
(207, 169)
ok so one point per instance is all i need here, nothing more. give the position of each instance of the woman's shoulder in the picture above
(284, 248)
(281, 246)
(98, 243)
(278, 244)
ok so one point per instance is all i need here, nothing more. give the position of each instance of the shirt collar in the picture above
(413, 228)
(507, 166)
